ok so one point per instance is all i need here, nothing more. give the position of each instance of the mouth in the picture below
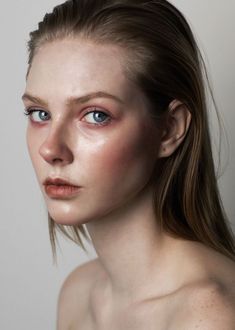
(60, 191)
(59, 188)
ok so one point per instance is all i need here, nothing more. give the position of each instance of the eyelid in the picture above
(96, 109)
(33, 109)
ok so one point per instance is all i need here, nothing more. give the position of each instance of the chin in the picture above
(65, 222)
(73, 217)
(66, 219)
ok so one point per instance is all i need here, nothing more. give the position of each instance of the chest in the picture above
(151, 316)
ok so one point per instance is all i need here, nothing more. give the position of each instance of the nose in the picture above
(55, 149)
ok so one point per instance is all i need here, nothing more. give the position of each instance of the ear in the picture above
(175, 128)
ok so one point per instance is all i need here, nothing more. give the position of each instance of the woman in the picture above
(119, 139)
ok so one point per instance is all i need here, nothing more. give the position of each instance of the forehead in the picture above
(75, 66)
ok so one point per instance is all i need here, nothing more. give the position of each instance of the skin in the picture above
(112, 163)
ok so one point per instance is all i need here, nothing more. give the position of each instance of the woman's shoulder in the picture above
(217, 276)
(209, 304)
(73, 297)
(209, 301)
(80, 279)
(221, 271)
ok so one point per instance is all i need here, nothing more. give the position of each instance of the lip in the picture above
(60, 188)
(58, 182)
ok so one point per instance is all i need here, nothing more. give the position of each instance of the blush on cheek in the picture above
(130, 153)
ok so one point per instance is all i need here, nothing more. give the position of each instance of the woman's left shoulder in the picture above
(216, 271)
(219, 282)
(210, 302)
(210, 306)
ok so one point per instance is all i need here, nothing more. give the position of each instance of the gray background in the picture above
(29, 282)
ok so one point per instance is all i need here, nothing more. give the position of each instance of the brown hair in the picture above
(163, 59)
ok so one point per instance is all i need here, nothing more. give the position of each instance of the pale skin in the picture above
(142, 279)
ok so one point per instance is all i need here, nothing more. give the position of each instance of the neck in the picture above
(132, 251)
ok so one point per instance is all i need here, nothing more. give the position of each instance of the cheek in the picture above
(120, 156)
(129, 156)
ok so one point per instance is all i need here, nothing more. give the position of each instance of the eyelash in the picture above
(29, 111)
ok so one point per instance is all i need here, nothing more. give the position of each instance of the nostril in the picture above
(55, 160)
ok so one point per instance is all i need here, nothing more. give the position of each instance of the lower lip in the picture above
(61, 191)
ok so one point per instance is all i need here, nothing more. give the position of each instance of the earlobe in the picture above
(176, 126)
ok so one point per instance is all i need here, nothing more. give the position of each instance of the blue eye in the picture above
(42, 115)
(99, 117)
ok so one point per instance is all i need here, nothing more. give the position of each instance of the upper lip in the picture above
(58, 181)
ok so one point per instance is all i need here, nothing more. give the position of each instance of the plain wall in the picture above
(28, 280)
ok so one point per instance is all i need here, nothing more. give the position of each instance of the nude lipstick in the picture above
(60, 188)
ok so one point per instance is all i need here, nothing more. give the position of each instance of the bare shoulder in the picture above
(79, 279)
(74, 294)
(209, 305)
(209, 301)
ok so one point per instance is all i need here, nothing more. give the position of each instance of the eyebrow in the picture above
(74, 100)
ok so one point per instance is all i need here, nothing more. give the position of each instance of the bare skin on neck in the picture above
(134, 255)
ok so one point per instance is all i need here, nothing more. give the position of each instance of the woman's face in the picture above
(109, 153)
